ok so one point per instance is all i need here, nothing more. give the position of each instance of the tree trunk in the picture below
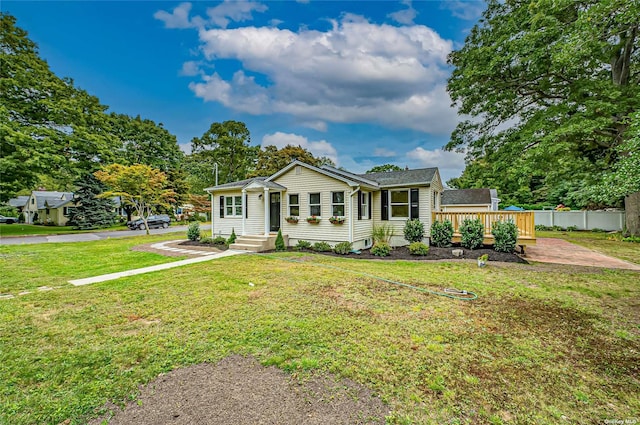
(632, 212)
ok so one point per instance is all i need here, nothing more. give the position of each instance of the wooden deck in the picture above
(522, 219)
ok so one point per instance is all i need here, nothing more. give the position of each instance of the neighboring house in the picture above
(470, 200)
(19, 203)
(47, 207)
(260, 206)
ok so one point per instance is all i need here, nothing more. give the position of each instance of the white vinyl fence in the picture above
(583, 220)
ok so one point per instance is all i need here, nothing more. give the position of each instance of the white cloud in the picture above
(234, 10)
(190, 69)
(317, 148)
(450, 164)
(219, 16)
(404, 16)
(383, 152)
(354, 72)
(179, 18)
(467, 10)
(316, 125)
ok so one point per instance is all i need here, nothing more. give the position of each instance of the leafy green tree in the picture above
(226, 144)
(138, 185)
(385, 168)
(271, 159)
(46, 123)
(91, 210)
(549, 87)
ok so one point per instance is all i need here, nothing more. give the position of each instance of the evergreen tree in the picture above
(91, 212)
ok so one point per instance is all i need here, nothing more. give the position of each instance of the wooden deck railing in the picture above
(522, 219)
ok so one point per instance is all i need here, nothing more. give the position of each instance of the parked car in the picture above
(154, 221)
(8, 220)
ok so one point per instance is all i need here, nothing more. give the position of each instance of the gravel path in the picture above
(238, 391)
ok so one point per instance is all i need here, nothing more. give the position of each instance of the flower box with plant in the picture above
(292, 220)
(313, 219)
(482, 260)
(336, 220)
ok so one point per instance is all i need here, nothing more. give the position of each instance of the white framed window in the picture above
(337, 204)
(294, 205)
(315, 208)
(364, 205)
(233, 206)
(399, 202)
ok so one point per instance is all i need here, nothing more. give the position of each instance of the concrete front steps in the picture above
(257, 243)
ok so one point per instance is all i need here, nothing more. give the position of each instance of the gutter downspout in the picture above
(211, 193)
(356, 190)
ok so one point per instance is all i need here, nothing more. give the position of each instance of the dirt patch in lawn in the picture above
(435, 253)
(238, 390)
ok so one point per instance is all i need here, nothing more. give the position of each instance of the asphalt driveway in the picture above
(84, 237)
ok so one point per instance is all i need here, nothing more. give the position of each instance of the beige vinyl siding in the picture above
(310, 181)
(362, 229)
(254, 225)
(424, 197)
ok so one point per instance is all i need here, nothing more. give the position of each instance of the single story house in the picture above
(323, 204)
(470, 200)
(50, 207)
(47, 207)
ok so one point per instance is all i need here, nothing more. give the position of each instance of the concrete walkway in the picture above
(111, 276)
(559, 251)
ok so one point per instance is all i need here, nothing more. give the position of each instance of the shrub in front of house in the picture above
(280, 246)
(382, 233)
(193, 232)
(232, 237)
(505, 236)
(441, 233)
(342, 248)
(471, 233)
(418, 248)
(219, 240)
(302, 245)
(321, 247)
(381, 249)
(572, 228)
(414, 230)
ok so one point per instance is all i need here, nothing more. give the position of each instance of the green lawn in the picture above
(21, 229)
(541, 343)
(26, 267)
(601, 242)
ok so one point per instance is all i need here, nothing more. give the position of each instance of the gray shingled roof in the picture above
(51, 198)
(346, 174)
(18, 202)
(242, 183)
(239, 184)
(408, 177)
(466, 197)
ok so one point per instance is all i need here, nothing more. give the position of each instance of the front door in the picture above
(274, 212)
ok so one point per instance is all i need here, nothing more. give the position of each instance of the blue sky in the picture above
(362, 82)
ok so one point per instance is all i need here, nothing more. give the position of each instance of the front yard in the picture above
(541, 344)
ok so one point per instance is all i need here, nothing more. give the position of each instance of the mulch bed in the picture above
(435, 253)
(204, 245)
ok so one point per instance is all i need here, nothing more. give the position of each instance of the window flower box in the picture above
(292, 220)
(313, 219)
(336, 220)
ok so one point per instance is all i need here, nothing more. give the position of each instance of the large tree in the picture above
(46, 123)
(384, 168)
(226, 144)
(271, 159)
(91, 211)
(141, 186)
(550, 87)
